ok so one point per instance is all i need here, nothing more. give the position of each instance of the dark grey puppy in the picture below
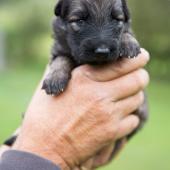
(90, 32)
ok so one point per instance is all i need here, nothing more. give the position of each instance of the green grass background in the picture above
(149, 150)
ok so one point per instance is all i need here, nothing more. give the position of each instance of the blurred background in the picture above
(25, 43)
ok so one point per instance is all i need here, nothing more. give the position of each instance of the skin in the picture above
(72, 124)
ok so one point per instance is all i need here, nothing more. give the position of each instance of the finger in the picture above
(103, 157)
(129, 105)
(87, 165)
(114, 70)
(127, 126)
(127, 85)
(76, 168)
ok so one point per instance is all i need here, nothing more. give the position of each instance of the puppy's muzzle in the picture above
(98, 50)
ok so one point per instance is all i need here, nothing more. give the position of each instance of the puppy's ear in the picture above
(126, 10)
(58, 8)
(61, 8)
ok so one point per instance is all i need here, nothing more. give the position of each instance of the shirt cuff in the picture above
(18, 160)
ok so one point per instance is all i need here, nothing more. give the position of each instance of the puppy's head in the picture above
(93, 28)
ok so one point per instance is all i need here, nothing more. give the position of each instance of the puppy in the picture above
(90, 32)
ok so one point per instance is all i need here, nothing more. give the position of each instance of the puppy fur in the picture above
(88, 32)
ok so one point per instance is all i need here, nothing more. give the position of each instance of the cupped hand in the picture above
(122, 67)
(93, 112)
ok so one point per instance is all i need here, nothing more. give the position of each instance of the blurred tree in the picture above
(152, 27)
(2, 50)
(27, 26)
(28, 30)
(150, 18)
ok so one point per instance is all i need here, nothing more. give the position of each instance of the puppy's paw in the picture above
(129, 46)
(54, 85)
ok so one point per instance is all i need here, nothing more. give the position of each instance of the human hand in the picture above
(106, 154)
(68, 129)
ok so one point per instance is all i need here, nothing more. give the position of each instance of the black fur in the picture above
(82, 26)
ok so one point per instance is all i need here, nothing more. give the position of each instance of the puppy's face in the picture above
(94, 28)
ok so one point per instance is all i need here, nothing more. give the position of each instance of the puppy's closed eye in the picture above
(78, 15)
(76, 21)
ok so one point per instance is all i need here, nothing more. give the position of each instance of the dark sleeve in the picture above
(16, 160)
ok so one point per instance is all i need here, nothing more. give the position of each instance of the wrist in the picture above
(42, 151)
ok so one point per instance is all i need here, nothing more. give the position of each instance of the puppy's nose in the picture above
(102, 51)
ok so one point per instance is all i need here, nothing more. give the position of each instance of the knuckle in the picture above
(100, 95)
(79, 73)
(76, 73)
(102, 108)
(103, 113)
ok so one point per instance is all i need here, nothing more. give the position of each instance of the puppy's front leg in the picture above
(129, 45)
(58, 76)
